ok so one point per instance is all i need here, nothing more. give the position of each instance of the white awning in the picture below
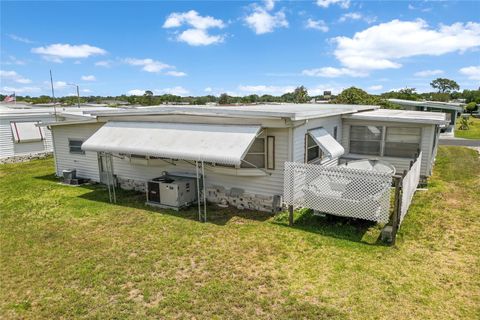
(226, 144)
(26, 132)
(327, 143)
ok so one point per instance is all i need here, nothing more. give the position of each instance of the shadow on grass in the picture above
(136, 200)
(356, 230)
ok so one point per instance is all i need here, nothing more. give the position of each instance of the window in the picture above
(255, 157)
(75, 146)
(26, 132)
(366, 139)
(312, 150)
(402, 142)
(335, 132)
(271, 152)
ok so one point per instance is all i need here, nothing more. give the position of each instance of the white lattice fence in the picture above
(409, 185)
(338, 190)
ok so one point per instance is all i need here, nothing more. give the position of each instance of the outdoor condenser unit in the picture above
(172, 192)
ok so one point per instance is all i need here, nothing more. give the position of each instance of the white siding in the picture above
(426, 145)
(9, 149)
(86, 164)
(300, 131)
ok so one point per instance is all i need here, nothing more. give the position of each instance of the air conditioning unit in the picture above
(172, 192)
(69, 174)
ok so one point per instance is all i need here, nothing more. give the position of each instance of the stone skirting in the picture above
(25, 157)
(239, 199)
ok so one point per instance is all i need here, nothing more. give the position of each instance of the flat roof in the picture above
(292, 111)
(430, 104)
(394, 115)
(26, 110)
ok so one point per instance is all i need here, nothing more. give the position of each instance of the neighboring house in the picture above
(452, 109)
(20, 135)
(243, 148)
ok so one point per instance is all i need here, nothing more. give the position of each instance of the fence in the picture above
(405, 186)
(339, 191)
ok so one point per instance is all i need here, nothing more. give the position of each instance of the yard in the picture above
(67, 253)
(472, 133)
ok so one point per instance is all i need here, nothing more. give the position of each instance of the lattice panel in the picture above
(409, 185)
(339, 191)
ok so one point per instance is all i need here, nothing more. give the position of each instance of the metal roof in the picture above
(400, 116)
(291, 111)
(226, 144)
(327, 143)
(430, 104)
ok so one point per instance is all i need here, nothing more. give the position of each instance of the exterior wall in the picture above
(133, 176)
(8, 148)
(300, 131)
(426, 145)
(86, 164)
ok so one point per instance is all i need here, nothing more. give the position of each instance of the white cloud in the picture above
(174, 73)
(12, 60)
(269, 4)
(59, 84)
(317, 25)
(356, 16)
(86, 90)
(208, 89)
(261, 21)
(428, 73)
(104, 63)
(148, 65)
(331, 72)
(383, 45)
(135, 92)
(57, 52)
(375, 87)
(345, 4)
(89, 78)
(472, 72)
(20, 90)
(319, 89)
(198, 34)
(199, 37)
(177, 91)
(13, 76)
(192, 18)
(265, 89)
(20, 39)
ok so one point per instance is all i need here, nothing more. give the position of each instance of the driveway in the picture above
(451, 141)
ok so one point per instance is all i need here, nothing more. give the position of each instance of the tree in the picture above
(300, 95)
(470, 107)
(224, 99)
(354, 95)
(444, 85)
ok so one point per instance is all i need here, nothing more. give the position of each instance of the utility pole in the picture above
(53, 96)
(78, 93)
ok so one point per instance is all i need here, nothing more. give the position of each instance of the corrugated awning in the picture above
(226, 144)
(327, 143)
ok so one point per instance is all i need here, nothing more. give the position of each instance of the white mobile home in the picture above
(243, 148)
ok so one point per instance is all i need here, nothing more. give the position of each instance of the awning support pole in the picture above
(113, 178)
(204, 194)
(198, 193)
(263, 170)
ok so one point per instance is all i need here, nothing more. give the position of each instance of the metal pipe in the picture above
(204, 195)
(198, 193)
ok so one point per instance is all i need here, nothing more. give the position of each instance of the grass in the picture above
(67, 253)
(472, 133)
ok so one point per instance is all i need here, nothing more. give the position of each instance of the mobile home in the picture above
(243, 148)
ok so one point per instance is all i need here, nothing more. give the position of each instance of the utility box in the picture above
(173, 192)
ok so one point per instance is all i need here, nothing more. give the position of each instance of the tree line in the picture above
(446, 90)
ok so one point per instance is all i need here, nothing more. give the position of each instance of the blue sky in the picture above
(238, 47)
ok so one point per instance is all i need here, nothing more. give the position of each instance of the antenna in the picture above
(53, 96)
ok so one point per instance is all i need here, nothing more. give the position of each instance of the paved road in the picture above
(459, 142)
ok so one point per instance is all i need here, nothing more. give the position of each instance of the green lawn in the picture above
(67, 253)
(472, 133)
